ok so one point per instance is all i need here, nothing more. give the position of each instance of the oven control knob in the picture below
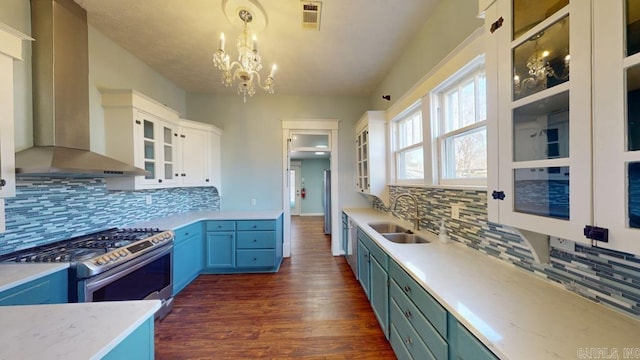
(99, 262)
(105, 259)
(113, 257)
(122, 253)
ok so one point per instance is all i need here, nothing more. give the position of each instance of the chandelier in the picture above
(539, 71)
(246, 68)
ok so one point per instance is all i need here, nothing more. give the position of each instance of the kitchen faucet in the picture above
(416, 218)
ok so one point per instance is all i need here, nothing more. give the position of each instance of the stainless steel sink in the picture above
(403, 238)
(385, 228)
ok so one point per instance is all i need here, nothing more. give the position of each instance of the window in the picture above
(408, 147)
(461, 127)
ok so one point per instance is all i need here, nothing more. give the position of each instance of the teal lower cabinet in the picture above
(138, 345)
(364, 268)
(220, 250)
(187, 255)
(237, 246)
(374, 278)
(49, 289)
(464, 345)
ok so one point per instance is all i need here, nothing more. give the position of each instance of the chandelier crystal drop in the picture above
(539, 70)
(246, 68)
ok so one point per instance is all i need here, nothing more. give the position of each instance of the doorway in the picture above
(295, 179)
(317, 136)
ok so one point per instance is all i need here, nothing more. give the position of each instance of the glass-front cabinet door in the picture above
(616, 88)
(157, 140)
(541, 180)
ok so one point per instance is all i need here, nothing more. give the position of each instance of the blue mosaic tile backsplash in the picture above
(609, 277)
(46, 210)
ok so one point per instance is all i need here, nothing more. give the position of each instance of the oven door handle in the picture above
(116, 273)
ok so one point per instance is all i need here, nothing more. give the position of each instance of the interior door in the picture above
(294, 190)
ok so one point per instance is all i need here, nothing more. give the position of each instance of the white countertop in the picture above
(69, 331)
(173, 222)
(12, 275)
(517, 315)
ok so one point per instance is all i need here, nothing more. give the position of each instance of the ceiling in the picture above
(357, 43)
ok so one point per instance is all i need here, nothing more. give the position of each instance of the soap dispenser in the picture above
(444, 238)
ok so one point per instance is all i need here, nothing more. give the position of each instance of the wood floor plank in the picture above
(313, 308)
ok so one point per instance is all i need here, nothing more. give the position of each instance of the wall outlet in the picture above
(562, 244)
(253, 202)
(455, 212)
(148, 200)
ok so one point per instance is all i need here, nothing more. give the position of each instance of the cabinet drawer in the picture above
(469, 347)
(256, 258)
(438, 346)
(184, 232)
(256, 240)
(244, 225)
(221, 225)
(408, 336)
(50, 289)
(397, 344)
(432, 310)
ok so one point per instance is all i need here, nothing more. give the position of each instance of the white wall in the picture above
(252, 142)
(451, 23)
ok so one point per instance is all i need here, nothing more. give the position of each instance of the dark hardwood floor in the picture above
(313, 308)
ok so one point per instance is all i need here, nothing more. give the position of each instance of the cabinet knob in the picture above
(407, 288)
(183, 174)
(255, 240)
(159, 180)
(3, 182)
(407, 314)
(206, 180)
(408, 341)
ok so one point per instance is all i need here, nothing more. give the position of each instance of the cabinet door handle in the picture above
(206, 180)
(407, 314)
(408, 341)
(407, 289)
(3, 182)
(159, 180)
(255, 240)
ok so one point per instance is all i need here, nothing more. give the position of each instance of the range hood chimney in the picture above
(60, 65)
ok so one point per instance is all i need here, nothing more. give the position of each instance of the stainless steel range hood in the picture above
(61, 98)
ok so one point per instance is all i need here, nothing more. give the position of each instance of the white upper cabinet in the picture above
(371, 153)
(539, 110)
(616, 104)
(200, 154)
(142, 132)
(567, 159)
(11, 46)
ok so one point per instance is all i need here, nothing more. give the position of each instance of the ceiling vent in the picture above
(311, 14)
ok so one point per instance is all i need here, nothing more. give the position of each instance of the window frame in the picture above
(410, 111)
(439, 138)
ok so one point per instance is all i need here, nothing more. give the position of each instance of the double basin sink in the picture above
(397, 234)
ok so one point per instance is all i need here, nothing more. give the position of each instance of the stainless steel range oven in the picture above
(113, 265)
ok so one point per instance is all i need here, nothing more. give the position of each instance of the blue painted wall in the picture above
(312, 171)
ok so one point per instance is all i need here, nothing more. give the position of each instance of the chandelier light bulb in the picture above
(273, 70)
(248, 64)
(545, 53)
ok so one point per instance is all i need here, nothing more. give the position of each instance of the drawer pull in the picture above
(407, 313)
(255, 240)
(408, 341)
(407, 289)
(255, 259)
(255, 226)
